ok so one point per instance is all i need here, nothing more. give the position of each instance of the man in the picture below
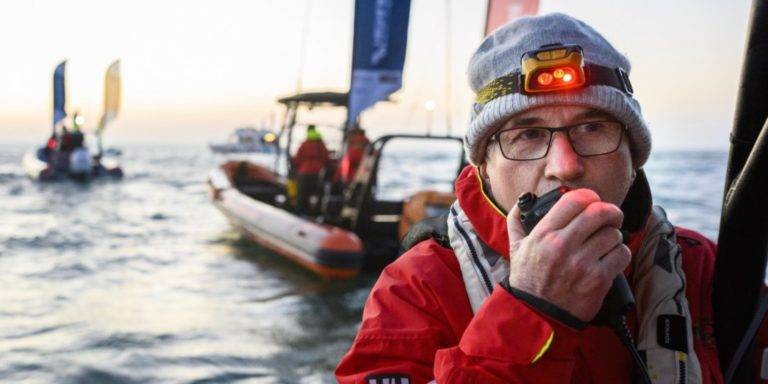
(493, 304)
(310, 159)
(80, 159)
(65, 148)
(50, 149)
(353, 154)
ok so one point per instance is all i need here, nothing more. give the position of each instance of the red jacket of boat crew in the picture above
(311, 157)
(418, 324)
(356, 143)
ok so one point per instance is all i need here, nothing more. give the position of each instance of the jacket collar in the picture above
(488, 220)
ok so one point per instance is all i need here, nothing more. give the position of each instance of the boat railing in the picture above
(359, 195)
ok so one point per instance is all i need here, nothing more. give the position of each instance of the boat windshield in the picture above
(433, 165)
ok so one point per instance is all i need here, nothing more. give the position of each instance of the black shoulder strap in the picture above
(638, 203)
(431, 227)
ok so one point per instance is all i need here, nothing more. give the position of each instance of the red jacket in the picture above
(311, 157)
(345, 172)
(418, 323)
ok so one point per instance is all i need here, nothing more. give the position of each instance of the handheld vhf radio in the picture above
(619, 299)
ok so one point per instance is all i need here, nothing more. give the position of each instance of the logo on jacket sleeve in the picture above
(388, 378)
(671, 332)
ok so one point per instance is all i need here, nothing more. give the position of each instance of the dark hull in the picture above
(38, 169)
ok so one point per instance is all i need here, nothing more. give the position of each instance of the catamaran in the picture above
(66, 154)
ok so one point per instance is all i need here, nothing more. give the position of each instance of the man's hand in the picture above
(572, 255)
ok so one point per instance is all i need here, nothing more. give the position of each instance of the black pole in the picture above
(742, 242)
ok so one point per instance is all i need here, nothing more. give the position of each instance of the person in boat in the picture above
(479, 301)
(76, 121)
(309, 162)
(350, 161)
(80, 161)
(50, 149)
(64, 150)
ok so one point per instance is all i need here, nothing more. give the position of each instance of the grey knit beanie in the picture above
(500, 54)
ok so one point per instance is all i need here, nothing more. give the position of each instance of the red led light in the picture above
(544, 78)
(553, 69)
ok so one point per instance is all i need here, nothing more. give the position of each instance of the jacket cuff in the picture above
(506, 328)
(545, 307)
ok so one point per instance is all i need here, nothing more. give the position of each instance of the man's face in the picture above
(609, 175)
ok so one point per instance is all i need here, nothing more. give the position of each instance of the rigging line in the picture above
(303, 51)
(448, 108)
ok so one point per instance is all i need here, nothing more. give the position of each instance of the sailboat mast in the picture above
(303, 49)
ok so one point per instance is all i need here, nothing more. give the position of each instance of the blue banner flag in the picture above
(59, 94)
(378, 52)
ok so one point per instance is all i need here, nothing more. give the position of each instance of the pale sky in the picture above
(197, 69)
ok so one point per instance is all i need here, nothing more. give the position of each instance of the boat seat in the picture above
(380, 219)
(424, 204)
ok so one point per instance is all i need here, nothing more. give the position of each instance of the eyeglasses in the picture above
(593, 138)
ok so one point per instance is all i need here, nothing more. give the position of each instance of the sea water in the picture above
(142, 280)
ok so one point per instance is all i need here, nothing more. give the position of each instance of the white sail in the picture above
(111, 95)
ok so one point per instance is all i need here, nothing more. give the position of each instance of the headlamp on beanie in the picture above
(554, 68)
(510, 59)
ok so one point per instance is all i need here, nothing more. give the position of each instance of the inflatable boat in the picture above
(352, 225)
(248, 195)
